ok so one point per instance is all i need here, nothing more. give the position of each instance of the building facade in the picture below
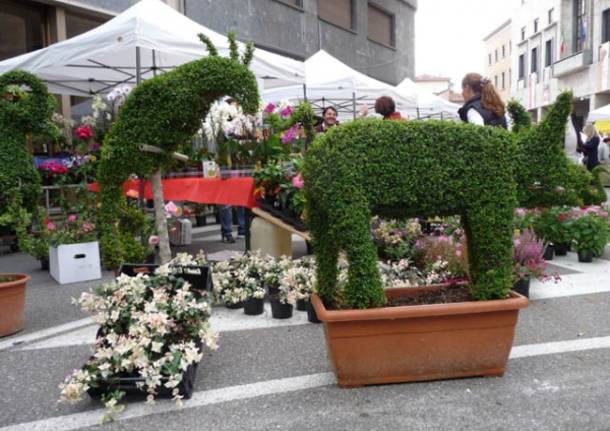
(498, 64)
(374, 37)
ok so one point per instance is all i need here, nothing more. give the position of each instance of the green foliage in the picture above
(165, 112)
(590, 232)
(586, 187)
(409, 169)
(521, 118)
(26, 108)
(541, 166)
(553, 225)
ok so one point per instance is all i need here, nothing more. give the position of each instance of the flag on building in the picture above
(562, 44)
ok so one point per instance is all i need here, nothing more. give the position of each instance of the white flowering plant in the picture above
(151, 327)
(298, 281)
(239, 279)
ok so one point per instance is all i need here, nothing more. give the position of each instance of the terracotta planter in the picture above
(12, 303)
(423, 342)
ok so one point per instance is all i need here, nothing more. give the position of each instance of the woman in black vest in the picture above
(483, 106)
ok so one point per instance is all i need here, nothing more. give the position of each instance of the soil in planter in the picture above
(444, 295)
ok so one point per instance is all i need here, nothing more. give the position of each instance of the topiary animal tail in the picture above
(165, 111)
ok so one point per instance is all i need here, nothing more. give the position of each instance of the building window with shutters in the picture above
(548, 53)
(522, 66)
(381, 25)
(22, 27)
(580, 25)
(606, 26)
(503, 80)
(338, 12)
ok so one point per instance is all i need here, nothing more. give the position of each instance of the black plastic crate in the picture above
(199, 276)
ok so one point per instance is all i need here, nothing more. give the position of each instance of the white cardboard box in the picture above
(75, 262)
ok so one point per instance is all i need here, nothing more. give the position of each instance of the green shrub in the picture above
(165, 112)
(432, 168)
(590, 232)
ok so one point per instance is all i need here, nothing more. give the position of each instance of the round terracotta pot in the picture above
(12, 303)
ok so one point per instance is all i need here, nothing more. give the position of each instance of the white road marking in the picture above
(555, 347)
(6, 344)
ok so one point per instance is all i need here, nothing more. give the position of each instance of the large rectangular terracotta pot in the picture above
(421, 342)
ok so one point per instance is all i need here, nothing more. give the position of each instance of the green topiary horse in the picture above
(26, 107)
(416, 168)
(165, 111)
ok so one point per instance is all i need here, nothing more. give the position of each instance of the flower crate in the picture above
(72, 263)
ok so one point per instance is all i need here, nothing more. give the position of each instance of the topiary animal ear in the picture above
(212, 51)
(248, 54)
(233, 50)
(521, 118)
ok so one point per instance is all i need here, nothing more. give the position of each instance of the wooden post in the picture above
(165, 253)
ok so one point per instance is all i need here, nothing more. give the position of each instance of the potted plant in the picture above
(228, 289)
(282, 302)
(552, 225)
(589, 231)
(395, 240)
(419, 168)
(12, 302)
(149, 341)
(300, 278)
(529, 262)
(73, 250)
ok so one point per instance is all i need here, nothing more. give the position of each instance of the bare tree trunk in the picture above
(165, 253)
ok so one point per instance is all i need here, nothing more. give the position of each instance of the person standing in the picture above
(590, 147)
(329, 116)
(483, 106)
(603, 152)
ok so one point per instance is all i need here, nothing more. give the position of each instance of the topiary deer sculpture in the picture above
(429, 168)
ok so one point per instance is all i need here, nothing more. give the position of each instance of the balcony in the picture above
(574, 63)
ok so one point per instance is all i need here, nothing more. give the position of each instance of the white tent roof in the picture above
(327, 77)
(602, 113)
(427, 102)
(99, 59)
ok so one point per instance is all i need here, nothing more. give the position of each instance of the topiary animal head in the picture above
(25, 104)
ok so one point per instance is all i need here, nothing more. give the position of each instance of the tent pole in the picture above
(141, 200)
(417, 110)
(354, 104)
(154, 63)
(304, 92)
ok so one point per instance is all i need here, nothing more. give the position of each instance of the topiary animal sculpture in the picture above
(165, 111)
(416, 168)
(26, 108)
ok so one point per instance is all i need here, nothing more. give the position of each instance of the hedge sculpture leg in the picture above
(489, 233)
(326, 252)
(353, 230)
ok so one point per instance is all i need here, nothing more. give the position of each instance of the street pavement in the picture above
(275, 375)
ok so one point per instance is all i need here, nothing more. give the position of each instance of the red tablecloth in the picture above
(237, 191)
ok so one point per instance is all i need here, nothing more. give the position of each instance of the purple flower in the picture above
(286, 111)
(290, 134)
(269, 108)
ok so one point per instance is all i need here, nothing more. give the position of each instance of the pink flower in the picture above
(50, 226)
(171, 208)
(84, 132)
(521, 212)
(71, 218)
(297, 181)
(286, 112)
(153, 240)
(269, 108)
(87, 227)
(290, 134)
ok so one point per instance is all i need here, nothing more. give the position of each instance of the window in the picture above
(503, 51)
(380, 26)
(550, 15)
(606, 26)
(489, 59)
(536, 21)
(503, 80)
(338, 12)
(522, 33)
(496, 55)
(580, 27)
(534, 64)
(522, 66)
(22, 27)
(510, 76)
(496, 81)
(548, 53)
(77, 24)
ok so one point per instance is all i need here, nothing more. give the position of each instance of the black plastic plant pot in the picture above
(312, 317)
(279, 310)
(254, 306)
(200, 220)
(585, 256)
(523, 287)
(128, 383)
(302, 304)
(549, 252)
(235, 306)
(44, 264)
(562, 248)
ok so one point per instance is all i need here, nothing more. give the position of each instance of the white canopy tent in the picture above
(602, 113)
(328, 81)
(428, 104)
(148, 38)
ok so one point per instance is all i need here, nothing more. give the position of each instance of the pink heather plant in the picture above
(528, 252)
